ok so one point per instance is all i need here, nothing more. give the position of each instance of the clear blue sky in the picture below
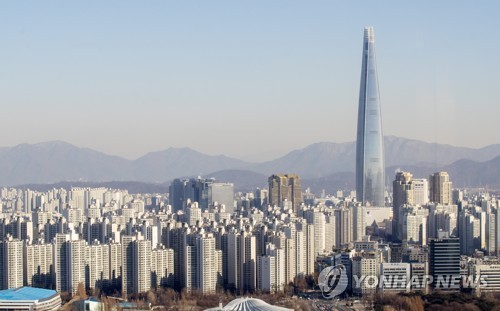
(251, 79)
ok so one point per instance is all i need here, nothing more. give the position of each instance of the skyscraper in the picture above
(440, 185)
(370, 167)
(222, 193)
(420, 191)
(285, 187)
(444, 262)
(402, 193)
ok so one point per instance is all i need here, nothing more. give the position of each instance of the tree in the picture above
(151, 297)
(300, 283)
(80, 291)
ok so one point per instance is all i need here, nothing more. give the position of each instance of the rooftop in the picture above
(26, 293)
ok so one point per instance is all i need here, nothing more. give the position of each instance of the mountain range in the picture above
(321, 165)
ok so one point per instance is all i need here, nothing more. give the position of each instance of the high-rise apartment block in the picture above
(206, 257)
(402, 194)
(344, 226)
(440, 188)
(12, 263)
(38, 264)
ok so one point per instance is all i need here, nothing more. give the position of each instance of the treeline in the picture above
(172, 299)
(437, 301)
(184, 300)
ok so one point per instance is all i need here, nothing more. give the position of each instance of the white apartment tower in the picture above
(317, 219)
(242, 260)
(77, 252)
(190, 267)
(61, 264)
(309, 249)
(98, 264)
(286, 245)
(127, 256)
(359, 222)
(142, 265)
(330, 232)
(207, 264)
(300, 253)
(13, 264)
(271, 269)
(115, 263)
(38, 260)
(162, 267)
(344, 226)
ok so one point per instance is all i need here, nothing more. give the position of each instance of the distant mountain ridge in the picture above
(56, 161)
(165, 165)
(319, 163)
(326, 158)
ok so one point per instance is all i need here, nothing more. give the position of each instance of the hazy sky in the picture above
(250, 79)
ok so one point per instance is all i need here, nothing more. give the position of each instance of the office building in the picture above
(490, 276)
(365, 272)
(203, 191)
(370, 167)
(420, 191)
(418, 275)
(177, 196)
(222, 194)
(394, 276)
(444, 262)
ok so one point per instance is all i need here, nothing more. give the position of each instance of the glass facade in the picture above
(370, 166)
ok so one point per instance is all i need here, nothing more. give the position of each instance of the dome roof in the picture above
(249, 304)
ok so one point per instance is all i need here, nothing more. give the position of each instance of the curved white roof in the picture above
(249, 304)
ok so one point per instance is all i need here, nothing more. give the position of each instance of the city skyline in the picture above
(272, 245)
(131, 78)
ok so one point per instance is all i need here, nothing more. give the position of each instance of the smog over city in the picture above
(264, 155)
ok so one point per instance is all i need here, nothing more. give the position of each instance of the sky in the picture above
(248, 79)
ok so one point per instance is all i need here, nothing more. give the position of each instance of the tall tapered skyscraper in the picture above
(370, 167)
